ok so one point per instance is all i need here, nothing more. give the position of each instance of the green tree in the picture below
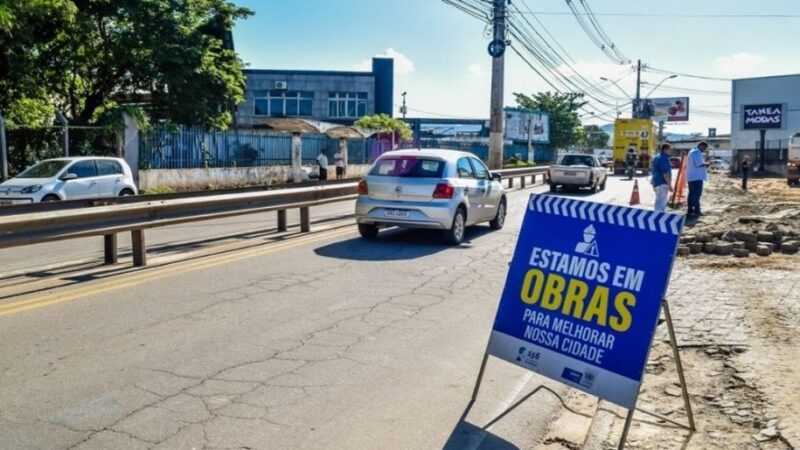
(385, 124)
(594, 137)
(84, 56)
(565, 125)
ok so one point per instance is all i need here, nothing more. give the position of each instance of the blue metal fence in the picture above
(481, 149)
(193, 148)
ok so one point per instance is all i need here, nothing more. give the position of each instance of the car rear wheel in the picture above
(500, 219)
(603, 186)
(455, 235)
(367, 231)
(126, 193)
(553, 187)
(50, 198)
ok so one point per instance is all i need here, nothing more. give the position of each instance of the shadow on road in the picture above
(397, 244)
(467, 435)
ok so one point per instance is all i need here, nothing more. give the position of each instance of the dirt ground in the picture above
(738, 331)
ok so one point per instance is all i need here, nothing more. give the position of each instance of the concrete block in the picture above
(741, 253)
(764, 250)
(746, 236)
(765, 236)
(723, 249)
(790, 247)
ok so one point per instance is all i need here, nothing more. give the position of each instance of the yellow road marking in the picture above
(157, 273)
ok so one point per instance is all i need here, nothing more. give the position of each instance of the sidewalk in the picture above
(739, 337)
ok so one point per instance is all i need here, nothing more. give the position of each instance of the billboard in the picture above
(762, 117)
(517, 121)
(672, 109)
(583, 294)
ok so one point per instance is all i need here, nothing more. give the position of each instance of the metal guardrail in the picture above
(54, 222)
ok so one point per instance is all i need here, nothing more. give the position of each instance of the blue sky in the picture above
(441, 60)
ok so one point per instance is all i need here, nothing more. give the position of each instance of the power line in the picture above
(687, 90)
(608, 47)
(676, 15)
(649, 68)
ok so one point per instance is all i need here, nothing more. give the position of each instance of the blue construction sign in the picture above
(583, 294)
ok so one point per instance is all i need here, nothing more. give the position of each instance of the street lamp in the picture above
(659, 84)
(615, 84)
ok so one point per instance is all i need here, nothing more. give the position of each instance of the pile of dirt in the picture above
(764, 221)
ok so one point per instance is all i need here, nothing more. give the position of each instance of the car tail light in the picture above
(444, 190)
(362, 188)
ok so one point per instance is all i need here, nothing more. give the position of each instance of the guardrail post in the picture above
(522, 181)
(305, 219)
(510, 181)
(139, 248)
(282, 220)
(110, 248)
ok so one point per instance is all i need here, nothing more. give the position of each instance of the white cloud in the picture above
(402, 63)
(477, 70)
(741, 64)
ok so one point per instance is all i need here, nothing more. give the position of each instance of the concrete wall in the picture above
(199, 179)
(766, 90)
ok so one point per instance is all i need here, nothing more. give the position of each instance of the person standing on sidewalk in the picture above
(662, 177)
(322, 160)
(745, 172)
(338, 161)
(696, 174)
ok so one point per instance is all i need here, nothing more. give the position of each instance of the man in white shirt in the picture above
(322, 160)
(696, 174)
(338, 160)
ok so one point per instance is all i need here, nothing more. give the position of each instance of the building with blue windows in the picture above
(328, 96)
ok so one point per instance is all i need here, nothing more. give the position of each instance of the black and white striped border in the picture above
(604, 213)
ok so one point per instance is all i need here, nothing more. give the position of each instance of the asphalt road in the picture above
(237, 337)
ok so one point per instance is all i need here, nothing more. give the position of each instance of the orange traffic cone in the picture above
(635, 193)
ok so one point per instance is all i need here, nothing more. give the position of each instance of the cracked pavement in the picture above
(340, 344)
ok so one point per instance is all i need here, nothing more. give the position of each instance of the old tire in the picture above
(367, 231)
(455, 235)
(500, 218)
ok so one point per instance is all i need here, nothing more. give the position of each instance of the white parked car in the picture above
(577, 171)
(719, 165)
(69, 179)
(436, 189)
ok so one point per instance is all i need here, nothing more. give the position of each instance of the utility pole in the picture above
(403, 108)
(638, 88)
(497, 51)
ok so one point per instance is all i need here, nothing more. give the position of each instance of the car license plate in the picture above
(396, 213)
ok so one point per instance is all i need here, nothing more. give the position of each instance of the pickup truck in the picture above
(575, 171)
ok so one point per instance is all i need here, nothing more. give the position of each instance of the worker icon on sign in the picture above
(589, 244)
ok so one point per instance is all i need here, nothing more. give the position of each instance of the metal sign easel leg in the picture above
(681, 378)
(480, 375)
(678, 365)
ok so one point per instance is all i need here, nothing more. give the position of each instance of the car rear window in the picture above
(577, 160)
(408, 167)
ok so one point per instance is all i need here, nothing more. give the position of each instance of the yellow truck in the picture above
(793, 165)
(637, 137)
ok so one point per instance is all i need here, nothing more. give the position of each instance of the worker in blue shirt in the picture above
(696, 175)
(662, 177)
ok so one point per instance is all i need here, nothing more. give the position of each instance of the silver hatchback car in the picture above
(437, 189)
